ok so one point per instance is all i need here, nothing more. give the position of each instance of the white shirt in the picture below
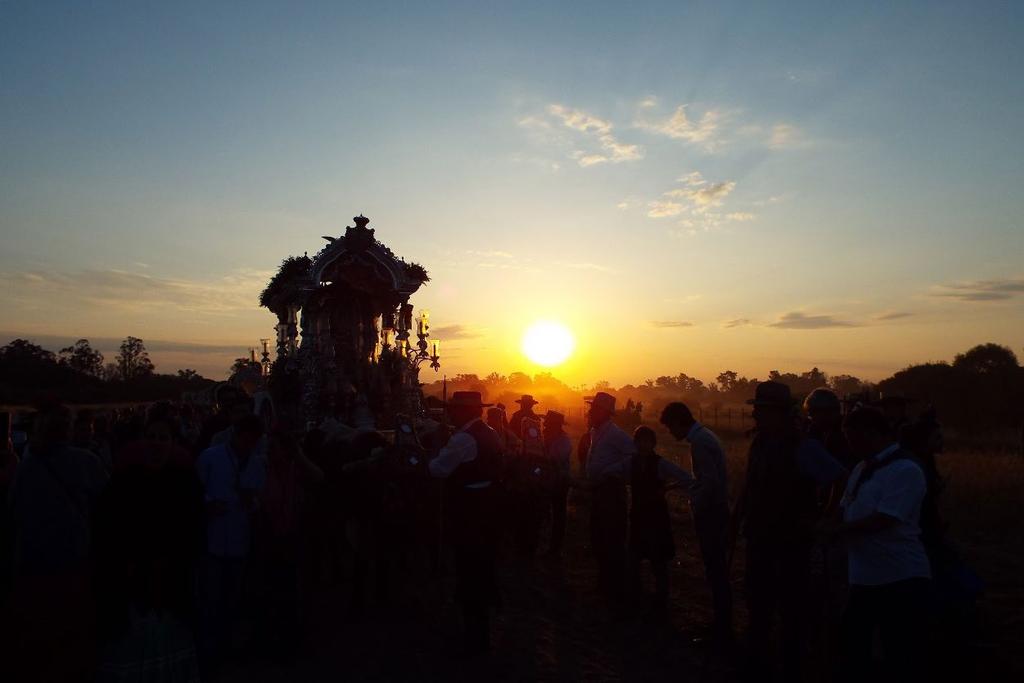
(224, 479)
(711, 488)
(897, 553)
(611, 452)
(461, 447)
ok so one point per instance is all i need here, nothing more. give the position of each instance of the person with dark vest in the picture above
(778, 510)
(558, 454)
(709, 503)
(471, 464)
(650, 527)
(607, 469)
(890, 574)
(526, 404)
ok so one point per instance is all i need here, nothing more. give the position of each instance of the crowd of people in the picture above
(153, 544)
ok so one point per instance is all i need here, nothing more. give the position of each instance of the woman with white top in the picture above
(889, 573)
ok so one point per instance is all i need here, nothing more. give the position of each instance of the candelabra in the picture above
(425, 349)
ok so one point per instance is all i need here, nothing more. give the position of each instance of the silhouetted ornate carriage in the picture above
(346, 344)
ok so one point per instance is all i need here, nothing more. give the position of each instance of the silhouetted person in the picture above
(894, 409)
(888, 565)
(607, 469)
(527, 485)
(498, 421)
(233, 474)
(282, 506)
(825, 424)
(558, 454)
(829, 585)
(709, 502)
(650, 528)
(471, 464)
(52, 504)
(150, 522)
(779, 511)
(526, 404)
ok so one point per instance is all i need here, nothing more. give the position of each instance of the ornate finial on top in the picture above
(359, 237)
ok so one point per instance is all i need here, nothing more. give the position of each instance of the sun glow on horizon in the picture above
(548, 343)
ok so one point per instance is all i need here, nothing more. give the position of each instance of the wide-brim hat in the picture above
(554, 418)
(527, 400)
(772, 394)
(602, 400)
(467, 399)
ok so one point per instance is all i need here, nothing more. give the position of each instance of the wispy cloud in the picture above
(895, 315)
(740, 216)
(598, 130)
(664, 209)
(797, 320)
(679, 126)
(490, 254)
(127, 291)
(998, 289)
(666, 324)
(786, 136)
(55, 342)
(737, 322)
(587, 266)
(698, 198)
(456, 332)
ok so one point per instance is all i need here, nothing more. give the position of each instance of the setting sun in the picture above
(548, 343)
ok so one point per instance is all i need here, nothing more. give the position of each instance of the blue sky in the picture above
(842, 185)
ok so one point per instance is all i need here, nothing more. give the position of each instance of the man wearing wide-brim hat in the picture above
(608, 465)
(558, 453)
(526, 404)
(471, 464)
(778, 510)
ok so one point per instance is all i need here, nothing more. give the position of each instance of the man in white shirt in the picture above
(709, 501)
(471, 464)
(888, 566)
(233, 475)
(607, 469)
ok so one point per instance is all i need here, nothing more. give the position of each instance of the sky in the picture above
(689, 187)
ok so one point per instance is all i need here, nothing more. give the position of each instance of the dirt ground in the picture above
(553, 624)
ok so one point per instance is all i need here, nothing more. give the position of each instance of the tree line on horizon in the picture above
(81, 374)
(981, 389)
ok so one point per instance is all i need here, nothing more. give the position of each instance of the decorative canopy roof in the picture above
(364, 263)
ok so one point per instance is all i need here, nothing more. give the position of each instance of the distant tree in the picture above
(188, 374)
(726, 381)
(82, 357)
(814, 378)
(239, 365)
(133, 360)
(987, 359)
(110, 373)
(845, 385)
(22, 351)
(519, 381)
